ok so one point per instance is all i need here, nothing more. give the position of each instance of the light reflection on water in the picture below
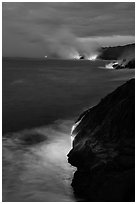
(40, 172)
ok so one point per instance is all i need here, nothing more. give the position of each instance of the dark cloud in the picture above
(26, 26)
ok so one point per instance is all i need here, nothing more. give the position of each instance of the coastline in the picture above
(103, 148)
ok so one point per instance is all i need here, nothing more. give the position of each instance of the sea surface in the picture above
(41, 101)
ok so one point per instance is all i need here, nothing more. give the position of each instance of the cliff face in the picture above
(114, 53)
(124, 56)
(103, 148)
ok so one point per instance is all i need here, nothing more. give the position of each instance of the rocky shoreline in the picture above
(122, 57)
(103, 149)
(123, 64)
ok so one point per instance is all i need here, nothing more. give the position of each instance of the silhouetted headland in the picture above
(103, 148)
(123, 56)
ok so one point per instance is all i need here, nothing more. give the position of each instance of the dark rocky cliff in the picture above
(124, 56)
(103, 148)
(114, 53)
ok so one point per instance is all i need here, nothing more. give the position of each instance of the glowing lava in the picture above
(93, 57)
(76, 57)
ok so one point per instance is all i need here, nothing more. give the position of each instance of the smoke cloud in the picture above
(64, 44)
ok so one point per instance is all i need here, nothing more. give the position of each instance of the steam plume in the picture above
(64, 44)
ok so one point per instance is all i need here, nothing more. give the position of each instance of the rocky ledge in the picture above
(123, 64)
(103, 149)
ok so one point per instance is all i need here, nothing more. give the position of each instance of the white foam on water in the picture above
(40, 172)
(109, 66)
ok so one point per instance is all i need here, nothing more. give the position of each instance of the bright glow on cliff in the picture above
(72, 135)
(72, 131)
(72, 139)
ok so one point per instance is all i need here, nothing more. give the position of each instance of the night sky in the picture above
(37, 29)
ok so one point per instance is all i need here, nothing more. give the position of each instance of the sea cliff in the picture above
(103, 148)
(122, 56)
(117, 52)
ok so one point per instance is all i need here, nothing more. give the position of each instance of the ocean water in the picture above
(41, 101)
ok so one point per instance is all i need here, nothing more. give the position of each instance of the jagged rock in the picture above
(118, 66)
(82, 57)
(130, 64)
(103, 149)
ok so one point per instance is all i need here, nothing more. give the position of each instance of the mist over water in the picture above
(38, 172)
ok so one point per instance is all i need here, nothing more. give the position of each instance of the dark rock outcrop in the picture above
(130, 64)
(122, 64)
(103, 149)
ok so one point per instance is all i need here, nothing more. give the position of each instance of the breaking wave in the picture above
(35, 167)
(109, 66)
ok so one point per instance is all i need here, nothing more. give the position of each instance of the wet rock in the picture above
(130, 64)
(82, 57)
